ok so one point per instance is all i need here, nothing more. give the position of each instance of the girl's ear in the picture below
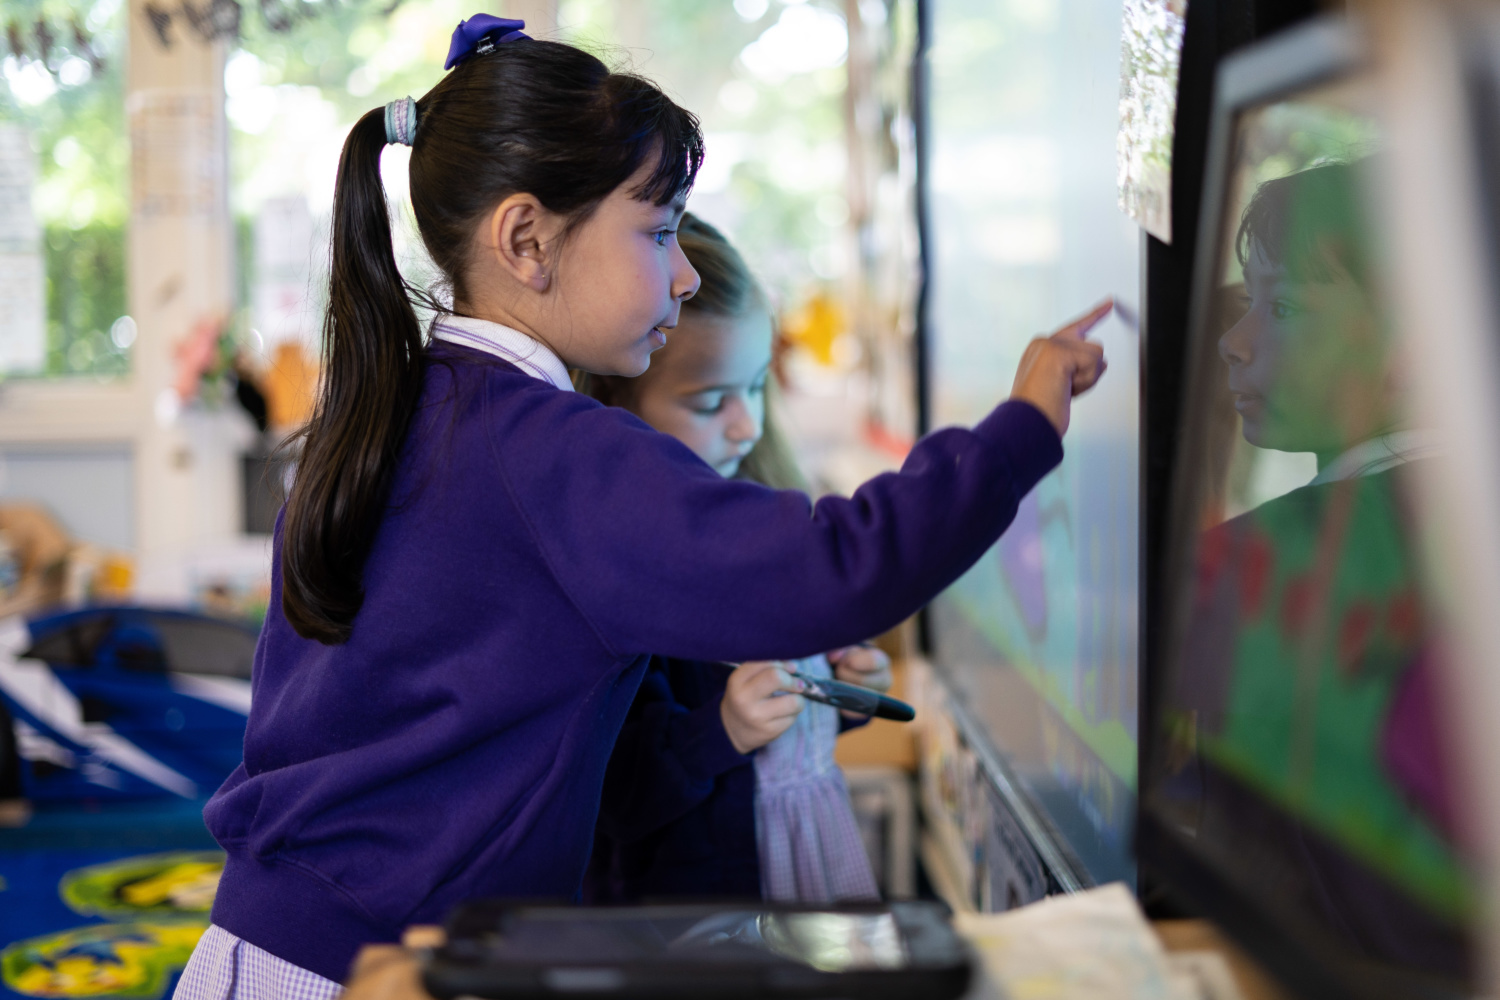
(522, 240)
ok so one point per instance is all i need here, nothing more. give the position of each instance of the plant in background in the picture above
(210, 362)
(62, 79)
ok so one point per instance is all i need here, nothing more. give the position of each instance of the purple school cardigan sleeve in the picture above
(667, 756)
(661, 555)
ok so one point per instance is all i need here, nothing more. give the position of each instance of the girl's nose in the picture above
(685, 280)
(743, 428)
(1235, 347)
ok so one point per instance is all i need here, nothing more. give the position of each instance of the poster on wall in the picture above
(285, 306)
(23, 311)
(1150, 53)
(177, 163)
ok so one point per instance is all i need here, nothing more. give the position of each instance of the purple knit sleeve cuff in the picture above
(846, 723)
(1031, 445)
(705, 750)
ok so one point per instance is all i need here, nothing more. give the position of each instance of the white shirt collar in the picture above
(1379, 454)
(527, 353)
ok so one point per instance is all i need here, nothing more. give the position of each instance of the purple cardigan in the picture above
(677, 815)
(537, 548)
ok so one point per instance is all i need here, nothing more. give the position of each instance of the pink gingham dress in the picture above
(809, 842)
(225, 967)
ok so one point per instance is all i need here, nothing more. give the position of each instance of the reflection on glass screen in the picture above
(829, 942)
(1305, 754)
(836, 942)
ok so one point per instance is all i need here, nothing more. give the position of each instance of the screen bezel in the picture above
(1317, 53)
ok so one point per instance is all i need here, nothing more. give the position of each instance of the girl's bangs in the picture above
(674, 138)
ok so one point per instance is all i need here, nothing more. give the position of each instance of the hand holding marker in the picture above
(850, 697)
(853, 698)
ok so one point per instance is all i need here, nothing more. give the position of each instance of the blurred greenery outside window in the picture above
(65, 85)
(765, 76)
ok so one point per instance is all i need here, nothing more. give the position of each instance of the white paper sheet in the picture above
(1094, 945)
(23, 289)
(177, 157)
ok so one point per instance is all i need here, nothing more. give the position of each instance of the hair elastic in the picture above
(480, 34)
(401, 121)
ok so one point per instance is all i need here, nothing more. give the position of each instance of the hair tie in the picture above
(401, 121)
(480, 34)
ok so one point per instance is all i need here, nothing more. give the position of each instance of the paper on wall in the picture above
(286, 250)
(23, 319)
(177, 158)
(23, 315)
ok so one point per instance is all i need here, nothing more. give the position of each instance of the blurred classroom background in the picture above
(167, 180)
(923, 186)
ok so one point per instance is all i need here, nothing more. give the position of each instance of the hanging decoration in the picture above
(50, 33)
(83, 44)
(58, 31)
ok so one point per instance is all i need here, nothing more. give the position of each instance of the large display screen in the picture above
(1302, 750)
(1040, 638)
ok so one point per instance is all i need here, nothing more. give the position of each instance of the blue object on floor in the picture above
(121, 722)
(125, 702)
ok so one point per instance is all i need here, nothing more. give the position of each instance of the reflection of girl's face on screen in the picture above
(1307, 363)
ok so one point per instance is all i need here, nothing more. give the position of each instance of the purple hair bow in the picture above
(479, 35)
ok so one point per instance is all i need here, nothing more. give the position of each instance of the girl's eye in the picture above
(707, 408)
(661, 236)
(759, 388)
(1284, 309)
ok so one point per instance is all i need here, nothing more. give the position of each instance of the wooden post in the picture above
(179, 263)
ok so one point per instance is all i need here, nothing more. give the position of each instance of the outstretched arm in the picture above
(664, 556)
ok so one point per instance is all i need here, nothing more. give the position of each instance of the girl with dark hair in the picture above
(720, 785)
(475, 563)
(1310, 364)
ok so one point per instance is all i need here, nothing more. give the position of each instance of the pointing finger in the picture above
(1079, 328)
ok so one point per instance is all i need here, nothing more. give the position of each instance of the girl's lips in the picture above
(657, 337)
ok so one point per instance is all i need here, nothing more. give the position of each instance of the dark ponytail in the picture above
(371, 378)
(536, 117)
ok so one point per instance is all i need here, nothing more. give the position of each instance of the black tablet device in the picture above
(496, 950)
